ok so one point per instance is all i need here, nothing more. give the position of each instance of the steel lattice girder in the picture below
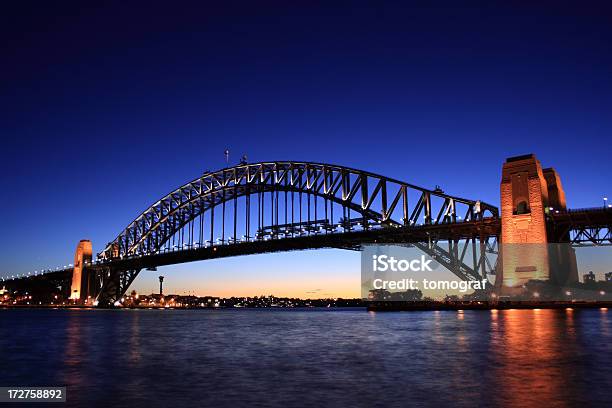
(582, 227)
(388, 203)
(383, 204)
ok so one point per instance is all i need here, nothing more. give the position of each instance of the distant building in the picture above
(608, 277)
(588, 277)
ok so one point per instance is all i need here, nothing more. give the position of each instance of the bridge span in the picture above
(283, 206)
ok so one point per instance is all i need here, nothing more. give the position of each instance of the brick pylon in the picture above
(528, 193)
(83, 253)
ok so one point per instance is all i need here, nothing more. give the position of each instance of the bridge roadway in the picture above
(486, 227)
(589, 226)
(582, 226)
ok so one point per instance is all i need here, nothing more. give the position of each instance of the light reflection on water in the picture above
(304, 357)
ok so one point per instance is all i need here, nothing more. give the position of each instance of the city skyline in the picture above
(312, 274)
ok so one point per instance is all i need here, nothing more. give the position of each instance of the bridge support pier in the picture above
(80, 278)
(528, 194)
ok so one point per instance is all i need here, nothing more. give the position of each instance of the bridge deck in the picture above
(585, 226)
(561, 222)
(349, 240)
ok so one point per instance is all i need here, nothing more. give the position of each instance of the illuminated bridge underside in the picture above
(280, 206)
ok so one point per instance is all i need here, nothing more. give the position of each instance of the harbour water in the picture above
(311, 357)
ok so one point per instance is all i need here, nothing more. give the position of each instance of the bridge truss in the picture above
(277, 206)
(581, 227)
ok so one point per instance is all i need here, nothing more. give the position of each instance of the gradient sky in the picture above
(107, 108)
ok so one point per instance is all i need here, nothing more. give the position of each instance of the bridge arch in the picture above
(370, 205)
(376, 201)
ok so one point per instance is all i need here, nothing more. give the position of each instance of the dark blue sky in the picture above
(107, 108)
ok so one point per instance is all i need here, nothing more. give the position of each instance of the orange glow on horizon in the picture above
(304, 288)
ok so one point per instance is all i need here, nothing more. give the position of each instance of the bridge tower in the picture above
(528, 193)
(79, 287)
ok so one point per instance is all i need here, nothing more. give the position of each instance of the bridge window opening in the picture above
(522, 208)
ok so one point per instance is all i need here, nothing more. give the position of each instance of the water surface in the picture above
(217, 358)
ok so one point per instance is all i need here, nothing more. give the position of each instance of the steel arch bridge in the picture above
(280, 206)
(283, 206)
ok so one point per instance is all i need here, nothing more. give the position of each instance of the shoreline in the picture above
(504, 305)
(373, 307)
(85, 307)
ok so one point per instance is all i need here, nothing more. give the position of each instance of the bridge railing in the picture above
(581, 210)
